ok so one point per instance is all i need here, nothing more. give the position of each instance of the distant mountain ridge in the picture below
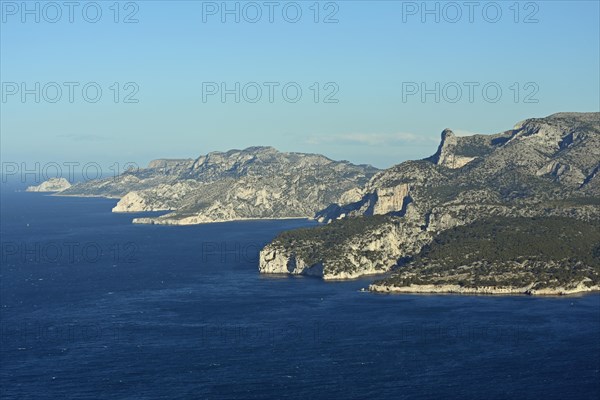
(254, 183)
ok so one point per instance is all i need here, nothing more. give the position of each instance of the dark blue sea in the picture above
(94, 307)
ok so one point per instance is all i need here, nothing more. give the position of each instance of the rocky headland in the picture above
(543, 167)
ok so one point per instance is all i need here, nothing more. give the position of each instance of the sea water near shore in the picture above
(94, 307)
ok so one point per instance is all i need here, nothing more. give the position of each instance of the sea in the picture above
(95, 307)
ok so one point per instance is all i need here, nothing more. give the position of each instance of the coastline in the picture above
(578, 289)
(486, 290)
(97, 196)
(151, 221)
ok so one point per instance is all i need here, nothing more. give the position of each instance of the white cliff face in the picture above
(380, 201)
(159, 198)
(131, 202)
(375, 254)
(134, 202)
(363, 248)
(51, 185)
(564, 173)
(391, 199)
(351, 196)
(279, 263)
(447, 156)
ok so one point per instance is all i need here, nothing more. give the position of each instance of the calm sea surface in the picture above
(94, 307)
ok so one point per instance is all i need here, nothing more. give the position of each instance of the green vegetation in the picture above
(548, 252)
(474, 146)
(314, 245)
(574, 202)
(501, 239)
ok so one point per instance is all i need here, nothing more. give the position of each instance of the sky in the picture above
(366, 81)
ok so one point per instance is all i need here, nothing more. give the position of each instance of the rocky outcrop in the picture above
(543, 167)
(448, 154)
(51, 185)
(379, 202)
(163, 197)
(346, 248)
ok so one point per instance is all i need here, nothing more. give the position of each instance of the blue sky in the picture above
(372, 57)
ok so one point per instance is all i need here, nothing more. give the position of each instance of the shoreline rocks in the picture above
(457, 289)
